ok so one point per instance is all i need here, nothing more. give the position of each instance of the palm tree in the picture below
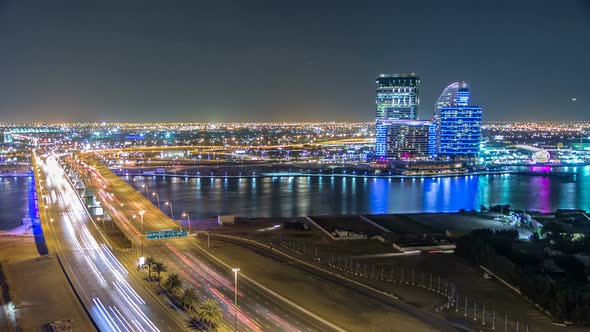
(209, 312)
(159, 268)
(150, 262)
(172, 283)
(188, 298)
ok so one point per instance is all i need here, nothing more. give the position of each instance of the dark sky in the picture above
(250, 60)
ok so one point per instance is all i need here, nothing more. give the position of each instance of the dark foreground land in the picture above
(378, 263)
(38, 289)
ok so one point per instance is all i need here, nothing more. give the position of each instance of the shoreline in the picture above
(15, 175)
(24, 230)
(345, 175)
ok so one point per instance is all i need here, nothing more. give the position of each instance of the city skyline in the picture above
(296, 166)
(267, 62)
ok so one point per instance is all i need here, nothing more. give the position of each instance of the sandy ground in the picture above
(26, 229)
(469, 279)
(336, 303)
(457, 223)
(38, 287)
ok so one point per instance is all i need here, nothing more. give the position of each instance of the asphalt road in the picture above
(115, 298)
(432, 320)
(257, 311)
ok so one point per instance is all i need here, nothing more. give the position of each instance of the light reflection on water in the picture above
(300, 196)
(15, 193)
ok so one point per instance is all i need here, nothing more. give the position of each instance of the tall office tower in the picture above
(433, 139)
(396, 99)
(5, 137)
(460, 131)
(406, 139)
(456, 94)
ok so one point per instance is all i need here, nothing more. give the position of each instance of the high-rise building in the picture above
(455, 94)
(396, 99)
(460, 131)
(406, 139)
(397, 96)
(433, 139)
(5, 137)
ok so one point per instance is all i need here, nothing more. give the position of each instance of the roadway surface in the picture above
(257, 311)
(319, 273)
(115, 299)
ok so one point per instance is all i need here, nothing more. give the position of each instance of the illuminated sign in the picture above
(166, 233)
(379, 165)
(541, 156)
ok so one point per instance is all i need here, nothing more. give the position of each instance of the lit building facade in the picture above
(406, 139)
(397, 98)
(460, 131)
(5, 137)
(455, 94)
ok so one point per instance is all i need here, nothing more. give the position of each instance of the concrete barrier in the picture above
(375, 224)
(269, 291)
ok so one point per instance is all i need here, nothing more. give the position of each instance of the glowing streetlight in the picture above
(171, 210)
(158, 198)
(188, 219)
(141, 213)
(102, 219)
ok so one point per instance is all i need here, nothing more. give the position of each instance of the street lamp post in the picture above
(236, 270)
(158, 198)
(147, 190)
(171, 210)
(188, 220)
(141, 213)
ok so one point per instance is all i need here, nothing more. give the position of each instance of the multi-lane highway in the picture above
(115, 299)
(257, 311)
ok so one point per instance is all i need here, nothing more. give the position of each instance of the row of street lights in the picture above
(188, 219)
(169, 204)
(147, 194)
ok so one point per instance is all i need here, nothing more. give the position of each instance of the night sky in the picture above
(287, 60)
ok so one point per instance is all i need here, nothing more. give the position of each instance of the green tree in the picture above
(209, 312)
(188, 298)
(149, 262)
(552, 231)
(159, 267)
(173, 283)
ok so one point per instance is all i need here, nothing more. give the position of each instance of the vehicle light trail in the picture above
(241, 316)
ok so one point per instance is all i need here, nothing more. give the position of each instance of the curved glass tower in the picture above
(458, 125)
(455, 94)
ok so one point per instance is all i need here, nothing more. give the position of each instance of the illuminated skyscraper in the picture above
(397, 96)
(406, 139)
(456, 94)
(460, 131)
(396, 99)
(5, 137)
